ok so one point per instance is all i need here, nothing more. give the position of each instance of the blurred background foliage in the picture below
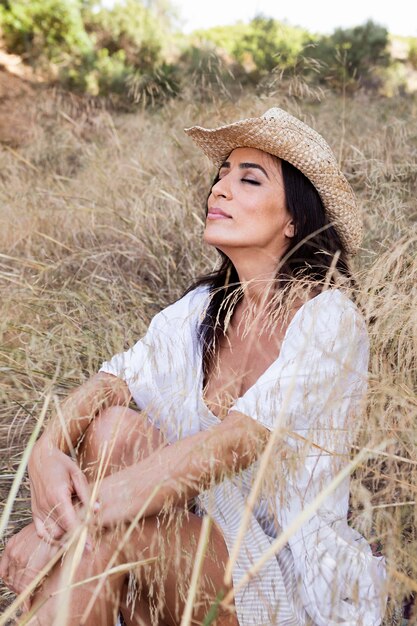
(134, 50)
(42, 30)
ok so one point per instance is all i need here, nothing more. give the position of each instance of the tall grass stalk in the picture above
(18, 477)
(198, 565)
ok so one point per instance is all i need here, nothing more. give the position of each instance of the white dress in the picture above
(326, 574)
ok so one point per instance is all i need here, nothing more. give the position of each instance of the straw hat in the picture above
(286, 137)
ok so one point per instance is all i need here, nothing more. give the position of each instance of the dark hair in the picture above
(316, 253)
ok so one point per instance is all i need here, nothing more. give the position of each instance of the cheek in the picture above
(271, 214)
(268, 223)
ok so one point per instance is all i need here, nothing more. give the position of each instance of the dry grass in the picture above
(101, 220)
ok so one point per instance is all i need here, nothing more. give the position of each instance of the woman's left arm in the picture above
(182, 470)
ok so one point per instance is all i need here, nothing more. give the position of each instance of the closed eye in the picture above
(249, 180)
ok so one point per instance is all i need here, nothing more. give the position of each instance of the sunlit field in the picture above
(101, 220)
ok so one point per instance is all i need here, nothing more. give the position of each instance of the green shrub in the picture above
(97, 73)
(224, 38)
(351, 55)
(44, 29)
(128, 55)
(270, 44)
(259, 46)
(129, 27)
(206, 69)
(105, 74)
(154, 88)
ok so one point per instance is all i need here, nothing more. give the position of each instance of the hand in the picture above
(24, 557)
(117, 500)
(57, 484)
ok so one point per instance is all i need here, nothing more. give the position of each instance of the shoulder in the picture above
(329, 308)
(184, 311)
(330, 316)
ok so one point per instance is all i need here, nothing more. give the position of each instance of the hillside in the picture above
(17, 101)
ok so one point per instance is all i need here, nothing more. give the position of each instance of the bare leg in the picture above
(124, 437)
(116, 438)
(163, 583)
(167, 583)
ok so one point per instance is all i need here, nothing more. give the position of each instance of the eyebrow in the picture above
(246, 166)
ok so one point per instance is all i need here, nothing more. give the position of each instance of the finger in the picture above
(54, 529)
(48, 530)
(40, 529)
(10, 578)
(81, 486)
(62, 518)
(68, 518)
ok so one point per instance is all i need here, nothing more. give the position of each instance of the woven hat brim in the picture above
(300, 145)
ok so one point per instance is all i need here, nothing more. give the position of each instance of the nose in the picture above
(222, 188)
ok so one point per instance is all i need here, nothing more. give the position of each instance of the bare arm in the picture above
(182, 470)
(81, 406)
(56, 478)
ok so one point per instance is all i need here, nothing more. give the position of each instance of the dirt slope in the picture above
(18, 91)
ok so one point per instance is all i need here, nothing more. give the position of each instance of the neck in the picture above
(257, 275)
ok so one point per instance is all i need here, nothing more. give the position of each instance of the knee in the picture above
(107, 428)
(106, 433)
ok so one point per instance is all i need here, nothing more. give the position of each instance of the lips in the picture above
(216, 213)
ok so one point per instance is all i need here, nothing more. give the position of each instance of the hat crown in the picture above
(272, 114)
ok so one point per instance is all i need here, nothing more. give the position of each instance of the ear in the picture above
(289, 230)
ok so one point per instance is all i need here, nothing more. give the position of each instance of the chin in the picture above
(217, 241)
(218, 237)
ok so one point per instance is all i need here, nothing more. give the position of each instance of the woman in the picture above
(267, 344)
